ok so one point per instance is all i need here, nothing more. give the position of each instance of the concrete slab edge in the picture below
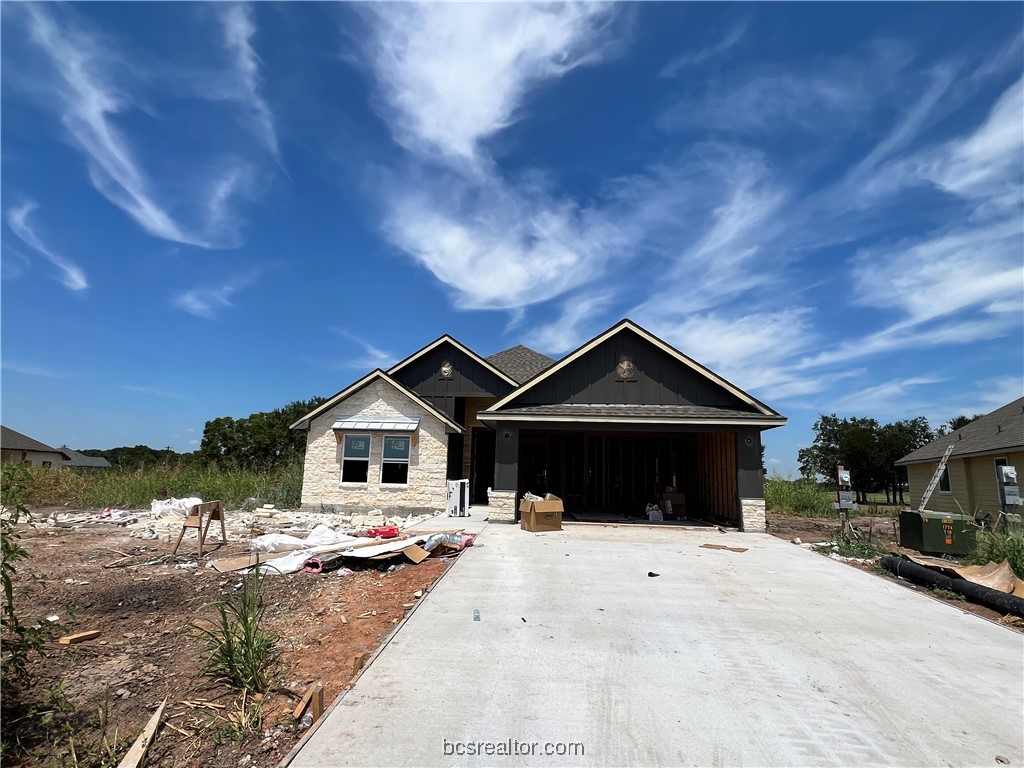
(286, 761)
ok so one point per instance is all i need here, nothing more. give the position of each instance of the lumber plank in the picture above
(80, 637)
(138, 751)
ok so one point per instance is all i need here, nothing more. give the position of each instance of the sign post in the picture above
(844, 500)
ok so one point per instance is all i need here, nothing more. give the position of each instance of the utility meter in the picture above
(1009, 490)
(844, 489)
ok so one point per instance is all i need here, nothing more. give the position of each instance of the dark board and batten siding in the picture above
(659, 380)
(469, 379)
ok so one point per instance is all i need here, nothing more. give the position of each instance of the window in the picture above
(394, 461)
(355, 459)
(944, 480)
(47, 464)
(1000, 463)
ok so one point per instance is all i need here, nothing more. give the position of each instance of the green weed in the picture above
(1003, 544)
(947, 594)
(237, 648)
(796, 497)
(859, 548)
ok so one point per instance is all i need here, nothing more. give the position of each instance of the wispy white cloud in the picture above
(449, 78)
(245, 87)
(84, 82)
(28, 369)
(372, 357)
(576, 323)
(207, 301)
(498, 245)
(452, 75)
(897, 396)
(694, 58)
(155, 391)
(72, 276)
(822, 96)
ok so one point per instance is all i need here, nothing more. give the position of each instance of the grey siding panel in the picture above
(470, 379)
(660, 380)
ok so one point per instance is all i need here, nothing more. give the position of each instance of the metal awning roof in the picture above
(393, 424)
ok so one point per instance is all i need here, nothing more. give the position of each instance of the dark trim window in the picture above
(355, 459)
(394, 460)
(944, 480)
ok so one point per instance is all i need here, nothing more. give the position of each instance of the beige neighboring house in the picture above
(969, 485)
(16, 448)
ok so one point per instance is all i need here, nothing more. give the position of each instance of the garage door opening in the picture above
(610, 476)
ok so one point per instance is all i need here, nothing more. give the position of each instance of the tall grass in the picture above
(796, 497)
(238, 649)
(138, 487)
(1003, 544)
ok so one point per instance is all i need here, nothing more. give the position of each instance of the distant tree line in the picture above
(870, 451)
(260, 441)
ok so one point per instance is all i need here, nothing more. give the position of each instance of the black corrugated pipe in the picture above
(976, 593)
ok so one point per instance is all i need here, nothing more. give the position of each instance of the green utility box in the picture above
(938, 533)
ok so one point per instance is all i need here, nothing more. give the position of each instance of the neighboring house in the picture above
(16, 448)
(81, 461)
(607, 428)
(969, 484)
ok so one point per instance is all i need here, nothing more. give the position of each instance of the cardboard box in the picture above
(540, 516)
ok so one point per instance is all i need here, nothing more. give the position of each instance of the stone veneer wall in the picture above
(502, 506)
(428, 457)
(753, 515)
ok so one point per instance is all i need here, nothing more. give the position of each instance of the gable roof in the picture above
(629, 325)
(521, 363)
(11, 440)
(377, 373)
(459, 346)
(996, 432)
(81, 460)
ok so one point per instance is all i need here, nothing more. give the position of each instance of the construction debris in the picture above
(80, 637)
(722, 546)
(138, 751)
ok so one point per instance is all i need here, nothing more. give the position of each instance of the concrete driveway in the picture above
(774, 656)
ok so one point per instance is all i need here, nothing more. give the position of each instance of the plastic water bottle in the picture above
(476, 614)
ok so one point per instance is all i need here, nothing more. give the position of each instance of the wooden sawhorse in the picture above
(211, 510)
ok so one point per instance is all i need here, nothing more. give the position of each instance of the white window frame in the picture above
(949, 480)
(341, 475)
(407, 461)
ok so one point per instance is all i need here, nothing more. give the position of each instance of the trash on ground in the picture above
(652, 574)
(722, 546)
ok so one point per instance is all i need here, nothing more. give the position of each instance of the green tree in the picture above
(896, 441)
(260, 441)
(957, 422)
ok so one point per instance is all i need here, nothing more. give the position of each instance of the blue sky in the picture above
(211, 210)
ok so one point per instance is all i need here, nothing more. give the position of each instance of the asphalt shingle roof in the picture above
(1001, 430)
(11, 440)
(81, 460)
(520, 363)
(681, 412)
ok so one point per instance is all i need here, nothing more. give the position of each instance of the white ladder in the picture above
(935, 478)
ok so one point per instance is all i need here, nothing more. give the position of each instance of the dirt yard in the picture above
(148, 649)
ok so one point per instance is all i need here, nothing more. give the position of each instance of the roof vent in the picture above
(999, 428)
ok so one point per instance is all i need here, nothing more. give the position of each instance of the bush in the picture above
(19, 638)
(1003, 544)
(796, 497)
